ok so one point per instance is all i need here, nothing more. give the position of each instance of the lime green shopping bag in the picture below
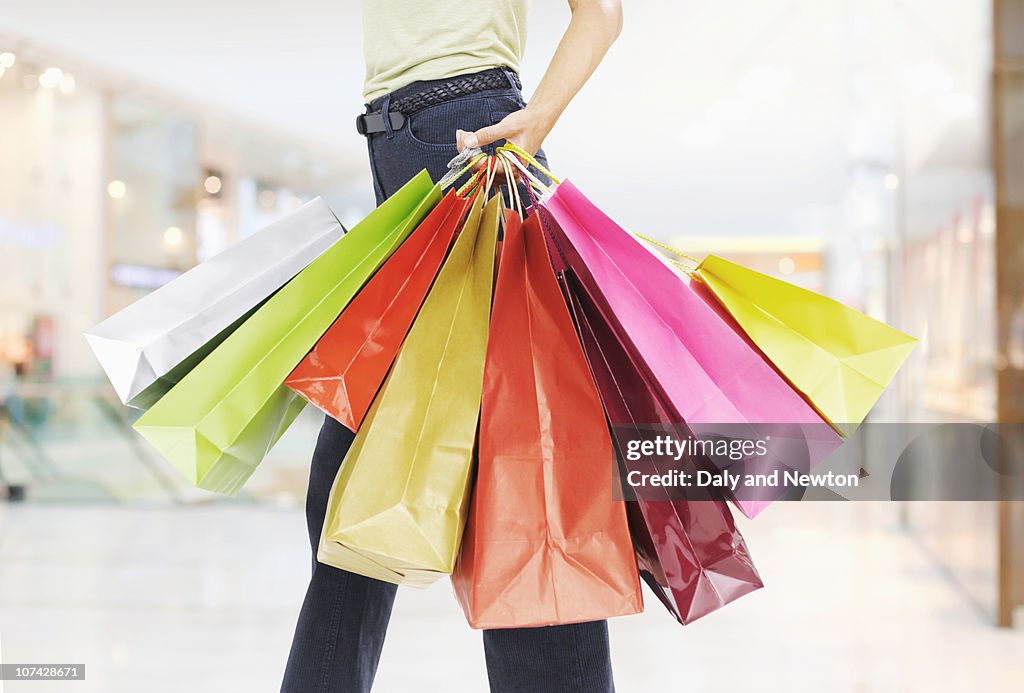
(218, 423)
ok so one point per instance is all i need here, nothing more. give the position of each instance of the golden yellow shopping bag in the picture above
(397, 508)
(840, 359)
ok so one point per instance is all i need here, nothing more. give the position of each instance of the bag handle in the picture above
(492, 170)
(460, 164)
(528, 176)
(513, 188)
(474, 181)
(517, 155)
(689, 267)
(524, 155)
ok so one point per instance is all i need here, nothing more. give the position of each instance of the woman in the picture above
(441, 75)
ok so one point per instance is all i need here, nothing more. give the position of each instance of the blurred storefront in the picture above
(111, 189)
(119, 180)
(929, 244)
(1008, 156)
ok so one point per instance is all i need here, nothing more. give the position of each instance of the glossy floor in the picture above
(204, 599)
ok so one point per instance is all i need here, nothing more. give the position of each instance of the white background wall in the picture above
(724, 117)
(729, 112)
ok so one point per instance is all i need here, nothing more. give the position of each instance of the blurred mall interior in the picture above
(872, 150)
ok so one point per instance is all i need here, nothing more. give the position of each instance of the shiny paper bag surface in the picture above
(710, 376)
(219, 422)
(690, 552)
(151, 344)
(546, 543)
(397, 508)
(344, 371)
(840, 359)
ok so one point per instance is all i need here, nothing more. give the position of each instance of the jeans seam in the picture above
(332, 637)
(378, 187)
(578, 673)
(431, 146)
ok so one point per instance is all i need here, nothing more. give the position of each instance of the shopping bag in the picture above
(345, 369)
(151, 344)
(711, 377)
(691, 554)
(840, 359)
(545, 543)
(221, 419)
(397, 507)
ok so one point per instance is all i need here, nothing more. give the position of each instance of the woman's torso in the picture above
(407, 41)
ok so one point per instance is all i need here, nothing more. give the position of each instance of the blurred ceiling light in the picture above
(787, 266)
(67, 83)
(51, 77)
(212, 184)
(172, 236)
(117, 189)
(268, 198)
(295, 201)
(891, 181)
(7, 59)
(2, 70)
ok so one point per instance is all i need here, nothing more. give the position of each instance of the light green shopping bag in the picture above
(218, 423)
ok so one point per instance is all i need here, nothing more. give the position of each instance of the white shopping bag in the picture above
(153, 343)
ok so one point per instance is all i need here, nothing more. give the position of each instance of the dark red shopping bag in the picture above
(346, 368)
(690, 552)
(546, 543)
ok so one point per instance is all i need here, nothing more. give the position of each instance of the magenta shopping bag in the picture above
(709, 373)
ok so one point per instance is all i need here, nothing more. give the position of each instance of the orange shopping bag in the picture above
(344, 371)
(545, 542)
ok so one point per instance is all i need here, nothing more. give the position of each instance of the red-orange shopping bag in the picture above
(344, 371)
(545, 542)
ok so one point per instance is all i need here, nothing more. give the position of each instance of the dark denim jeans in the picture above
(344, 617)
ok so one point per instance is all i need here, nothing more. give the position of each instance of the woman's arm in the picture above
(594, 27)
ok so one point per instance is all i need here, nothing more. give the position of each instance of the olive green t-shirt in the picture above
(407, 41)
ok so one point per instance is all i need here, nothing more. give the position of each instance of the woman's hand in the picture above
(525, 128)
(594, 26)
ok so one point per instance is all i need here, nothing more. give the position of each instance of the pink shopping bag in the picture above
(712, 377)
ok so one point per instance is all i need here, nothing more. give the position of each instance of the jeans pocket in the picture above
(435, 126)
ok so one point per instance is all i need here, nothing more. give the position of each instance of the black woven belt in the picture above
(462, 85)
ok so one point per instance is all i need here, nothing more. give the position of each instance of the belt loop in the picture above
(385, 112)
(509, 76)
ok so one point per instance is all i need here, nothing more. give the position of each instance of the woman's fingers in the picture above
(487, 135)
(466, 140)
